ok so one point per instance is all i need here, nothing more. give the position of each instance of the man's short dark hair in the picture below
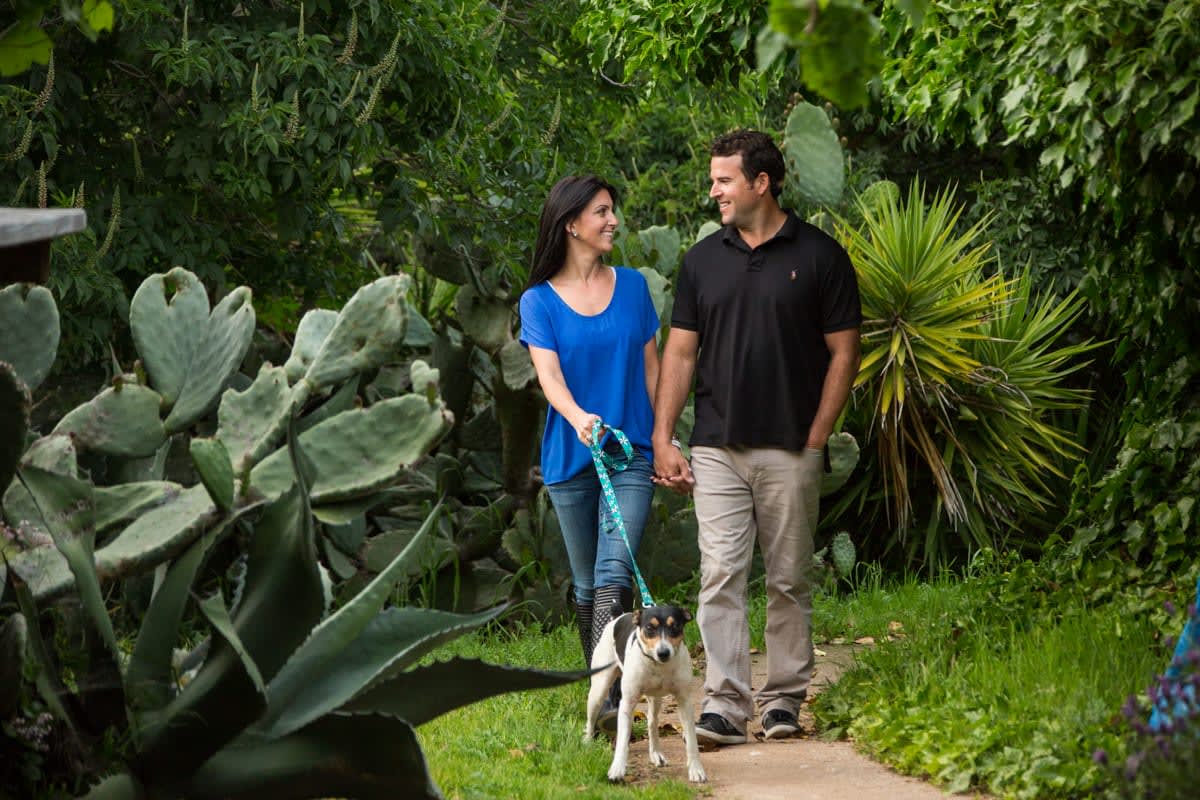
(759, 154)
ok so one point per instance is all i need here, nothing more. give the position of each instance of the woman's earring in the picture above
(574, 233)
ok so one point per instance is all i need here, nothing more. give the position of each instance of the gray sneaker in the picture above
(779, 724)
(716, 729)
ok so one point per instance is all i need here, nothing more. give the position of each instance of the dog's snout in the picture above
(663, 652)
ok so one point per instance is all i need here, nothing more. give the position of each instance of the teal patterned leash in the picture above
(604, 462)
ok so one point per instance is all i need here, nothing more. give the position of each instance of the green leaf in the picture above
(68, 509)
(22, 46)
(98, 16)
(220, 702)
(322, 651)
(427, 692)
(120, 421)
(373, 757)
(148, 678)
(389, 643)
(211, 460)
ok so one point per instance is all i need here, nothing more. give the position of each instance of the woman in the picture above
(590, 329)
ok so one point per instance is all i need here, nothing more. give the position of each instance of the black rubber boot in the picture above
(583, 620)
(610, 603)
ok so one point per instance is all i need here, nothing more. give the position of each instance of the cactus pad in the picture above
(843, 458)
(879, 192)
(252, 421)
(708, 229)
(660, 248)
(367, 333)
(120, 421)
(360, 451)
(14, 422)
(657, 285)
(29, 331)
(211, 460)
(516, 366)
(221, 348)
(166, 316)
(314, 328)
(815, 165)
(842, 553)
(485, 320)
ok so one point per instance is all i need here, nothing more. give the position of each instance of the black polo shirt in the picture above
(762, 314)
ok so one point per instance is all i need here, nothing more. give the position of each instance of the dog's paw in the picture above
(657, 758)
(616, 773)
(696, 774)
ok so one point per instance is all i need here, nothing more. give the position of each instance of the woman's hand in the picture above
(583, 427)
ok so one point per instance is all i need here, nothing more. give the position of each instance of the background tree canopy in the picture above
(302, 148)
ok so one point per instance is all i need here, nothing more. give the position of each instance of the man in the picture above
(766, 315)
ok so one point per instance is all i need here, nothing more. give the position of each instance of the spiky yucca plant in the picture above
(961, 371)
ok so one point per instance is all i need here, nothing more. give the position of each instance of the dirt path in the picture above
(802, 768)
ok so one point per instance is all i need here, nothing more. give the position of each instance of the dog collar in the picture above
(638, 639)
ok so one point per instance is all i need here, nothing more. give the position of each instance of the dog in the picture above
(645, 649)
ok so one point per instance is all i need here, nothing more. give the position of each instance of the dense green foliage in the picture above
(1005, 681)
(305, 149)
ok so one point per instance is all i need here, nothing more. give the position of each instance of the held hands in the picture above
(671, 469)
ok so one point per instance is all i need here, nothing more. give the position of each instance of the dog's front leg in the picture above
(596, 694)
(696, 772)
(656, 756)
(616, 771)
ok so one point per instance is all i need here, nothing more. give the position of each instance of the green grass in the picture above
(994, 682)
(991, 686)
(527, 744)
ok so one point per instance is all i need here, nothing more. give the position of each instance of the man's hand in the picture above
(671, 469)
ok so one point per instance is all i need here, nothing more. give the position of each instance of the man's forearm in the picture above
(674, 383)
(835, 391)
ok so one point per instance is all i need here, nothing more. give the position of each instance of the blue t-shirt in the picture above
(603, 361)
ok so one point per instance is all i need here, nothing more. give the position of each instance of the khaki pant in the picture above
(772, 495)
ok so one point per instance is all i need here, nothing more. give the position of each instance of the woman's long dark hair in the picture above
(566, 201)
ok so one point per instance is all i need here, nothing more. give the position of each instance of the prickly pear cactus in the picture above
(14, 422)
(312, 332)
(660, 248)
(841, 551)
(367, 333)
(29, 331)
(251, 421)
(878, 193)
(222, 346)
(657, 285)
(816, 168)
(121, 421)
(843, 458)
(166, 316)
(485, 320)
(516, 366)
(708, 229)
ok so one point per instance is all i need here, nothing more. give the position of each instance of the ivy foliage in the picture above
(835, 45)
(1103, 96)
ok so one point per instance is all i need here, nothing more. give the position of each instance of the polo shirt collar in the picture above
(789, 230)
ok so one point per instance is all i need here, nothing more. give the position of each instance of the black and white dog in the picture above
(645, 648)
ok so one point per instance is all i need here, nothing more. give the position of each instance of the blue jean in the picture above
(596, 551)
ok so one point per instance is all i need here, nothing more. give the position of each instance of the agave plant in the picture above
(962, 369)
(290, 699)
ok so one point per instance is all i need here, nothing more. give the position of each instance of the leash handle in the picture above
(604, 463)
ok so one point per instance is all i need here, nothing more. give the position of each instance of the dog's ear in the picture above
(687, 615)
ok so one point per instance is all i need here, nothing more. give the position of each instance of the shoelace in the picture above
(604, 463)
